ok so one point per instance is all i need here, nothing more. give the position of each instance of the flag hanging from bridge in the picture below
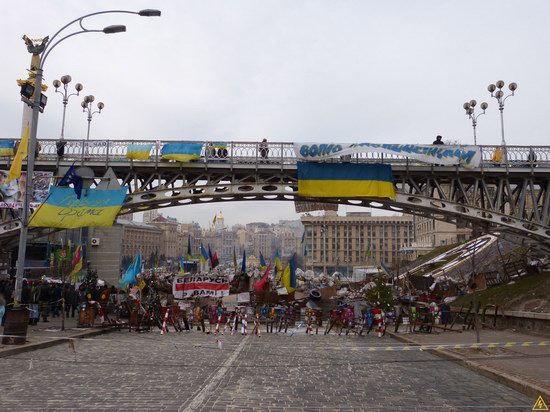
(181, 152)
(63, 210)
(465, 156)
(139, 151)
(345, 180)
(7, 147)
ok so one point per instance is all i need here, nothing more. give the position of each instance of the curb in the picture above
(49, 343)
(513, 382)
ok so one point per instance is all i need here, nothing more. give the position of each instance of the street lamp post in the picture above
(470, 111)
(499, 95)
(42, 54)
(88, 107)
(65, 80)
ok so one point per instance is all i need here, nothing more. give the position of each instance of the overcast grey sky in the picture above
(345, 71)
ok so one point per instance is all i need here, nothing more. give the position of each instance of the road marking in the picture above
(410, 347)
(207, 390)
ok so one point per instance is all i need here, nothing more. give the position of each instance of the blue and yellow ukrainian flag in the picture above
(345, 180)
(289, 276)
(7, 147)
(139, 151)
(204, 254)
(181, 152)
(263, 265)
(63, 210)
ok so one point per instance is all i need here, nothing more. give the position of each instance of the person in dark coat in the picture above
(44, 298)
(71, 301)
(57, 293)
(438, 140)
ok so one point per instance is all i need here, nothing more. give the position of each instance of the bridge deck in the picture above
(114, 152)
(513, 196)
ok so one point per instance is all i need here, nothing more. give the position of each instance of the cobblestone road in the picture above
(188, 372)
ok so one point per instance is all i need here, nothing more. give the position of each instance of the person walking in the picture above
(199, 318)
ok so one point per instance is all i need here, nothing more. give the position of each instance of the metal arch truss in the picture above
(511, 201)
(176, 189)
(518, 206)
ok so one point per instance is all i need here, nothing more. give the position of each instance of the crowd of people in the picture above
(47, 299)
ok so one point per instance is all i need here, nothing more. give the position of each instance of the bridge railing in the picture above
(82, 151)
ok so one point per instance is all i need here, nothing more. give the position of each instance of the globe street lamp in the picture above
(41, 52)
(64, 83)
(470, 111)
(65, 80)
(499, 95)
(88, 107)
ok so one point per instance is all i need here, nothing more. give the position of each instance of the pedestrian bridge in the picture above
(510, 197)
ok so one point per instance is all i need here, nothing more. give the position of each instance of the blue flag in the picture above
(262, 261)
(129, 277)
(76, 180)
(292, 272)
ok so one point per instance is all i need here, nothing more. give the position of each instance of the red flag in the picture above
(258, 286)
(214, 261)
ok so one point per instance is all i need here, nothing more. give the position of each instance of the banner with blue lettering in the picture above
(62, 209)
(465, 156)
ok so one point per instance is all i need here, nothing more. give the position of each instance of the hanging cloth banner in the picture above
(345, 180)
(465, 156)
(63, 210)
(200, 286)
(181, 152)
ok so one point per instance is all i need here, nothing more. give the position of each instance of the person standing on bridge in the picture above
(264, 150)
(438, 140)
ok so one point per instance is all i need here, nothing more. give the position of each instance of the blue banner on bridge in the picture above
(465, 156)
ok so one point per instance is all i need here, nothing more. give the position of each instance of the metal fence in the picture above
(110, 151)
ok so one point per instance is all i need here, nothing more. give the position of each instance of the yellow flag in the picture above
(76, 270)
(286, 279)
(22, 152)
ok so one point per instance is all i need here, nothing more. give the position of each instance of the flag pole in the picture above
(63, 294)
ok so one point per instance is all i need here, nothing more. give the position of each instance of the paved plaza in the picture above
(193, 372)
